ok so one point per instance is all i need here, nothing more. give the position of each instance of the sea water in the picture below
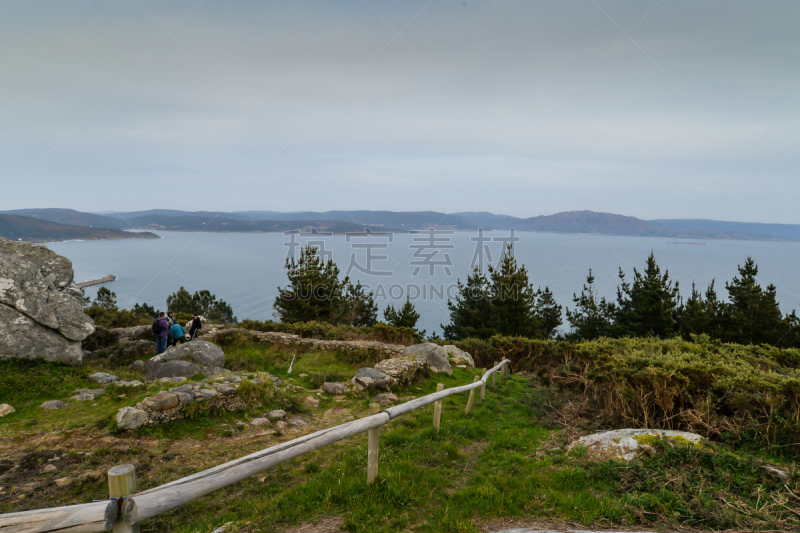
(246, 269)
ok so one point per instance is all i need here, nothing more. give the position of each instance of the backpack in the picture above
(157, 327)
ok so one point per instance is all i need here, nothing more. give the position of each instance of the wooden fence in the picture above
(127, 508)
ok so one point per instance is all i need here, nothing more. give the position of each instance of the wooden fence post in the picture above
(494, 374)
(471, 398)
(121, 484)
(483, 387)
(372, 448)
(437, 410)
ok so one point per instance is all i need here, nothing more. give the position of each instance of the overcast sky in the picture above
(644, 108)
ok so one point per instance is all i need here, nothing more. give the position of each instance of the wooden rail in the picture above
(102, 516)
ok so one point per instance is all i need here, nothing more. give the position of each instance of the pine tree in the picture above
(105, 298)
(648, 306)
(699, 316)
(315, 292)
(547, 312)
(513, 299)
(752, 315)
(201, 302)
(406, 317)
(592, 317)
(471, 312)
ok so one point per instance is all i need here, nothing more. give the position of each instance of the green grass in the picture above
(504, 461)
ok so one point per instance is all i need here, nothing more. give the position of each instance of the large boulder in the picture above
(436, 356)
(41, 308)
(196, 356)
(366, 377)
(625, 444)
(199, 352)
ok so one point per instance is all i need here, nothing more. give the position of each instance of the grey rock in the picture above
(366, 377)
(384, 398)
(42, 314)
(224, 528)
(276, 414)
(134, 383)
(131, 418)
(137, 365)
(334, 388)
(136, 348)
(185, 397)
(626, 443)
(161, 402)
(435, 355)
(103, 377)
(83, 397)
(182, 388)
(50, 468)
(198, 352)
(259, 422)
(95, 392)
(53, 404)
(299, 422)
(21, 337)
(6, 409)
(204, 394)
(460, 356)
(171, 369)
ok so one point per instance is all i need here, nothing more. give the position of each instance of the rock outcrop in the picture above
(41, 308)
(458, 356)
(624, 444)
(435, 356)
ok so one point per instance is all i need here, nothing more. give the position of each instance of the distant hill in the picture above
(70, 217)
(401, 221)
(30, 229)
(229, 225)
(783, 231)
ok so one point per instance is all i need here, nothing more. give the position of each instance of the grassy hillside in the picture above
(506, 465)
(18, 228)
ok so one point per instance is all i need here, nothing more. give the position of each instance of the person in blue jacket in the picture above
(177, 334)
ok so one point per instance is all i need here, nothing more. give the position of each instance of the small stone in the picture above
(303, 375)
(348, 419)
(82, 397)
(137, 365)
(278, 413)
(204, 394)
(6, 409)
(334, 388)
(95, 392)
(311, 402)
(223, 528)
(134, 383)
(161, 402)
(63, 482)
(339, 399)
(280, 424)
(103, 377)
(259, 422)
(131, 418)
(267, 433)
(53, 404)
(384, 398)
(240, 424)
(185, 397)
(299, 422)
(50, 468)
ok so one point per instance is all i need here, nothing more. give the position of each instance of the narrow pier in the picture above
(96, 281)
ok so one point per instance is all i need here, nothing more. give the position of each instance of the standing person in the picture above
(170, 319)
(177, 333)
(195, 327)
(161, 329)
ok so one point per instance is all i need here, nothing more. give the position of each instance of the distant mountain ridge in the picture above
(19, 228)
(591, 222)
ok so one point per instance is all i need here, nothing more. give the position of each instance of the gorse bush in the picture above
(722, 391)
